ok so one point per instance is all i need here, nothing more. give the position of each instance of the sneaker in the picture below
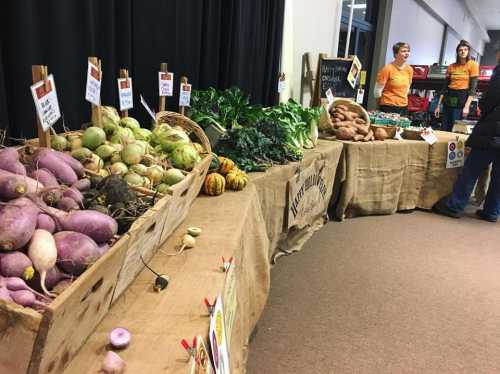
(441, 208)
(480, 213)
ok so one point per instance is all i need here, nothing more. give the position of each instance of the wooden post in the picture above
(96, 109)
(181, 108)
(39, 73)
(163, 99)
(124, 74)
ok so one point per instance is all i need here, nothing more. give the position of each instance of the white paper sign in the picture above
(218, 341)
(125, 93)
(185, 94)
(456, 154)
(93, 90)
(46, 103)
(399, 133)
(428, 135)
(148, 109)
(360, 96)
(166, 83)
(329, 95)
(281, 84)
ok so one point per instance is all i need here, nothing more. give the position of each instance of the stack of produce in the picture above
(256, 137)
(389, 119)
(46, 237)
(224, 173)
(348, 125)
(154, 159)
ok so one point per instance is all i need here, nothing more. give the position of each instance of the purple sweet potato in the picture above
(18, 219)
(45, 177)
(67, 204)
(75, 251)
(16, 264)
(72, 162)
(46, 222)
(32, 185)
(9, 161)
(74, 194)
(48, 159)
(82, 184)
(12, 187)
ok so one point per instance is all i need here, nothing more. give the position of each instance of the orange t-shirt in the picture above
(396, 84)
(459, 74)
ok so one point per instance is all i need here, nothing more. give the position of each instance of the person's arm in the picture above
(382, 77)
(444, 90)
(491, 98)
(472, 93)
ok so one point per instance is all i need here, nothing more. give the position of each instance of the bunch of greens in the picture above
(227, 109)
(258, 147)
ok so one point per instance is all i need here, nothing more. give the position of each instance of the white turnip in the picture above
(42, 251)
(119, 338)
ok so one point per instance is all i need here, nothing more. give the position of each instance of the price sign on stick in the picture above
(93, 90)
(281, 83)
(185, 94)
(46, 103)
(166, 83)
(148, 109)
(125, 93)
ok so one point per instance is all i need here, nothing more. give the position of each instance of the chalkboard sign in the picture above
(333, 74)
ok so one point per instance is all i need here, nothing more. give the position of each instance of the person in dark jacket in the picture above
(484, 143)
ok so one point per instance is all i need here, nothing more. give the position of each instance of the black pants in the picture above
(403, 110)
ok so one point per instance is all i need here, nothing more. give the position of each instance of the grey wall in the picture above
(490, 48)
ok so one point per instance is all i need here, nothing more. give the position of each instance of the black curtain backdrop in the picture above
(220, 43)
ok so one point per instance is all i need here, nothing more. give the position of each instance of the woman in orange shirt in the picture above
(460, 88)
(394, 81)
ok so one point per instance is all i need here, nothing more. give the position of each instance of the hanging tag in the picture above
(360, 96)
(428, 135)
(148, 109)
(456, 154)
(125, 93)
(93, 90)
(329, 95)
(226, 264)
(281, 83)
(398, 135)
(46, 103)
(166, 83)
(210, 307)
(185, 95)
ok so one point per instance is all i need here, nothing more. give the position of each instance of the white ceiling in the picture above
(487, 12)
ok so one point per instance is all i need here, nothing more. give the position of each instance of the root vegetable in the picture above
(5, 294)
(26, 298)
(45, 222)
(67, 204)
(345, 133)
(82, 185)
(9, 161)
(18, 219)
(187, 242)
(368, 137)
(45, 177)
(12, 187)
(340, 116)
(16, 264)
(74, 194)
(360, 129)
(46, 158)
(358, 137)
(60, 287)
(32, 185)
(17, 284)
(342, 124)
(119, 338)
(54, 276)
(75, 251)
(102, 249)
(380, 134)
(113, 364)
(42, 251)
(361, 121)
(342, 107)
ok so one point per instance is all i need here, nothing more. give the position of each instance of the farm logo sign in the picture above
(307, 195)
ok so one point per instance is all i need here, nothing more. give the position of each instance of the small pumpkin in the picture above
(214, 184)
(236, 179)
(226, 165)
(199, 148)
(215, 164)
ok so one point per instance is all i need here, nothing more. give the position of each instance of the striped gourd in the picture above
(214, 185)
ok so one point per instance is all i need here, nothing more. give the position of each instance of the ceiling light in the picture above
(357, 6)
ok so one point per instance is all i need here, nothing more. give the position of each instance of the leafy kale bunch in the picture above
(258, 147)
(296, 120)
(228, 108)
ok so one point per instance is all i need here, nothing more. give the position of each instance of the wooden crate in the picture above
(33, 342)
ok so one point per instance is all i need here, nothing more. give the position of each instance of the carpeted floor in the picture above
(407, 293)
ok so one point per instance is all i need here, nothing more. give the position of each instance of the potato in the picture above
(339, 116)
(345, 133)
(358, 137)
(380, 134)
(369, 136)
(361, 121)
(342, 107)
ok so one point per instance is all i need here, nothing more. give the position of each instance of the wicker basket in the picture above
(412, 134)
(390, 130)
(325, 122)
(177, 119)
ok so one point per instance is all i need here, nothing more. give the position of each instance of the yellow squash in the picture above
(236, 179)
(214, 184)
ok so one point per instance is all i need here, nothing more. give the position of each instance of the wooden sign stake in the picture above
(163, 99)
(181, 108)
(317, 88)
(39, 73)
(96, 109)
(124, 74)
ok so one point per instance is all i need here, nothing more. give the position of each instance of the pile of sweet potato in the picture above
(348, 125)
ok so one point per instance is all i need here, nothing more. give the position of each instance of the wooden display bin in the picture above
(33, 342)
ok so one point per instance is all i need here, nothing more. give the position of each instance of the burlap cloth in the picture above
(390, 176)
(248, 225)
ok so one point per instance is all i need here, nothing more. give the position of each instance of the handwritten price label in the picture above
(93, 90)
(185, 95)
(125, 93)
(166, 83)
(46, 103)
